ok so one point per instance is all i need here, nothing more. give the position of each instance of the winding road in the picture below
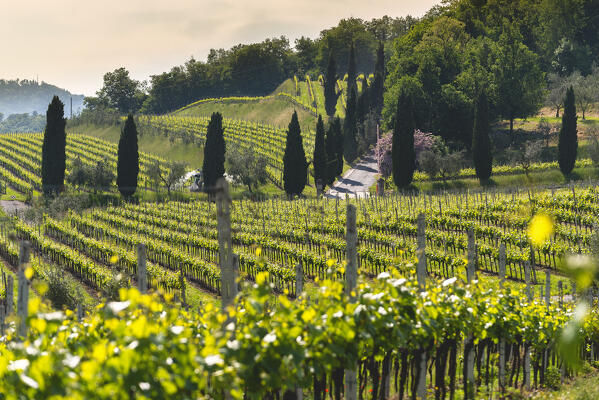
(357, 181)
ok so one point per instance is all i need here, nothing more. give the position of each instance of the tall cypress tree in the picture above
(481, 144)
(351, 71)
(331, 153)
(214, 152)
(127, 167)
(363, 105)
(339, 145)
(320, 154)
(53, 148)
(402, 148)
(295, 167)
(378, 86)
(330, 87)
(568, 135)
(350, 145)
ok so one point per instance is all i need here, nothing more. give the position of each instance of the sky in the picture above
(72, 43)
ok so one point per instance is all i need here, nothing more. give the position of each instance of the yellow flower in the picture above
(258, 251)
(29, 273)
(114, 259)
(540, 229)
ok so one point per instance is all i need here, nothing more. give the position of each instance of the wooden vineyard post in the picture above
(142, 274)
(469, 384)
(560, 289)
(10, 295)
(421, 276)
(225, 248)
(529, 295)
(23, 294)
(547, 287)
(471, 267)
(182, 284)
(502, 262)
(299, 280)
(351, 278)
(299, 289)
(80, 312)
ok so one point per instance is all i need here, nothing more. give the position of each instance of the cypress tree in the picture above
(350, 144)
(402, 148)
(568, 136)
(214, 152)
(320, 154)
(378, 86)
(53, 148)
(363, 105)
(481, 144)
(339, 145)
(351, 71)
(295, 167)
(127, 167)
(330, 85)
(331, 153)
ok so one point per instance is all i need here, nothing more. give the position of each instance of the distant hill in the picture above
(26, 96)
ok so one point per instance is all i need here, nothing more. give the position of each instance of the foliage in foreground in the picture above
(141, 347)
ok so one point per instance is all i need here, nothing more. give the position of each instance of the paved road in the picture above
(357, 181)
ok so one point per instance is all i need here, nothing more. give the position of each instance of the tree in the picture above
(101, 177)
(363, 103)
(53, 148)
(121, 92)
(330, 85)
(127, 167)
(568, 136)
(481, 144)
(331, 153)
(214, 152)
(246, 167)
(320, 154)
(351, 71)
(168, 177)
(295, 167)
(402, 150)
(349, 129)
(79, 173)
(378, 86)
(556, 92)
(338, 145)
(518, 78)
(585, 88)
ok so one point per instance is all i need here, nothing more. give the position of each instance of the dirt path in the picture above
(357, 181)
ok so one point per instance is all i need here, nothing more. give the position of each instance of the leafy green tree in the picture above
(246, 167)
(53, 148)
(320, 154)
(101, 177)
(167, 177)
(350, 129)
(518, 79)
(568, 135)
(351, 71)
(214, 152)
(121, 92)
(127, 167)
(402, 149)
(295, 167)
(481, 143)
(330, 85)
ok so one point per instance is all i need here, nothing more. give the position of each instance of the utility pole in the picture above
(71, 107)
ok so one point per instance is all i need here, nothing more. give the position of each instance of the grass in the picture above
(275, 111)
(159, 145)
(583, 387)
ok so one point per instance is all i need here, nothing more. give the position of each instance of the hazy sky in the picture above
(72, 43)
